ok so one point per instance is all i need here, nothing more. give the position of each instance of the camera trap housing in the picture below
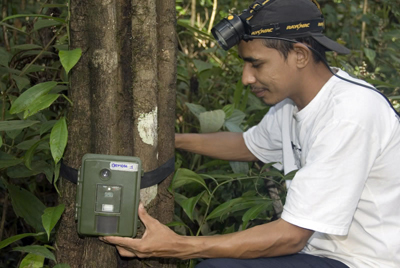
(107, 196)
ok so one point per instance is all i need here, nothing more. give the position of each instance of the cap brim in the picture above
(330, 44)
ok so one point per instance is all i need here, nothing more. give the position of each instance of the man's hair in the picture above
(284, 47)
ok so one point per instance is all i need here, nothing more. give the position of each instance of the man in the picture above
(342, 208)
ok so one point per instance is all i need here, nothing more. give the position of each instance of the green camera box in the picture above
(107, 196)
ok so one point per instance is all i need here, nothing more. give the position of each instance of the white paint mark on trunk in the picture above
(148, 194)
(147, 127)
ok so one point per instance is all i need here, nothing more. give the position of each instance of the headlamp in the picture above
(234, 28)
(231, 30)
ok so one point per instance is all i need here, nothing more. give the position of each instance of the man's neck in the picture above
(312, 80)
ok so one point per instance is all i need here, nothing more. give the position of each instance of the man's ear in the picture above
(303, 55)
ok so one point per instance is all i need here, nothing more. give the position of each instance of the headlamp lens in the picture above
(228, 32)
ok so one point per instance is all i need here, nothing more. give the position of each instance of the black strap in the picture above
(289, 28)
(148, 179)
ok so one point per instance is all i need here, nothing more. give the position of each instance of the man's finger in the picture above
(119, 241)
(124, 252)
(144, 216)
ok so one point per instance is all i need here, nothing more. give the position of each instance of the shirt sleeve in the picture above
(325, 192)
(265, 139)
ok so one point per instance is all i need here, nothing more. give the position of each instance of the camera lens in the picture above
(105, 174)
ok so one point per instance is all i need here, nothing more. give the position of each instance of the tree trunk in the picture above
(123, 90)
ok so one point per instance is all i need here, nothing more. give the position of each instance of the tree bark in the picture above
(123, 90)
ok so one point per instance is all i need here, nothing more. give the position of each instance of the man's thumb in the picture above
(143, 215)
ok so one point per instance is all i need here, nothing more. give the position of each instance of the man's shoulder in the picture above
(356, 100)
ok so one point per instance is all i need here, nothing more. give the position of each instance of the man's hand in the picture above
(272, 239)
(157, 241)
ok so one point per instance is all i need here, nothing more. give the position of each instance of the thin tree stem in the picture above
(363, 29)
(3, 215)
(193, 15)
(213, 14)
(4, 14)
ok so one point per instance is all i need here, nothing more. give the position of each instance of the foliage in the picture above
(34, 65)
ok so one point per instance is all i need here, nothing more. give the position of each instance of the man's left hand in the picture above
(157, 241)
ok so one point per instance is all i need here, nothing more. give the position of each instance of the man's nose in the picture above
(248, 77)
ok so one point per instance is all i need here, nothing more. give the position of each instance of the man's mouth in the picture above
(259, 92)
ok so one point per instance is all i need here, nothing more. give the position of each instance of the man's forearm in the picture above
(273, 239)
(220, 145)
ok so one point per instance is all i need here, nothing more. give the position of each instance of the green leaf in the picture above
(41, 103)
(196, 109)
(239, 167)
(201, 65)
(13, 134)
(30, 96)
(1, 141)
(16, 124)
(22, 82)
(37, 250)
(4, 57)
(50, 218)
(49, 172)
(253, 212)
(32, 261)
(228, 110)
(61, 47)
(46, 126)
(21, 171)
(14, 238)
(62, 265)
(185, 176)
(69, 58)
(234, 205)
(26, 47)
(56, 171)
(245, 98)
(33, 15)
(58, 139)
(189, 204)
(236, 117)
(33, 68)
(27, 206)
(237, 97)
(176, 223)
(45, 23)
(27, 144)
(211, 121)
(370, 54)
(10, 163)
(223, 208)
(30, 153)
(290, 175)
(232, 127)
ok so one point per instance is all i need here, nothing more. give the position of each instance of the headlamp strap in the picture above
(248, 14)
(150, 178)
(288, 28)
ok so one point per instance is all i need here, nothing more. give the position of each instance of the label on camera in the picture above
(131, 167)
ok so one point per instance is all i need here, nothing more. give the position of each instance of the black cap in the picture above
(292, 19)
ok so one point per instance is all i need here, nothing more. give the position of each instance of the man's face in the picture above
(271, 77)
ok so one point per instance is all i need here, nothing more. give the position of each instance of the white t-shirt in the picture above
(346, 145)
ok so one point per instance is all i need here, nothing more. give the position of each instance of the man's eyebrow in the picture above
(249, 59)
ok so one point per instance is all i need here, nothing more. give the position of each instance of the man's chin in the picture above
(269, 102)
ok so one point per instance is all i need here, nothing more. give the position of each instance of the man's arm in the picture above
(220, 145)
(272, 239)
